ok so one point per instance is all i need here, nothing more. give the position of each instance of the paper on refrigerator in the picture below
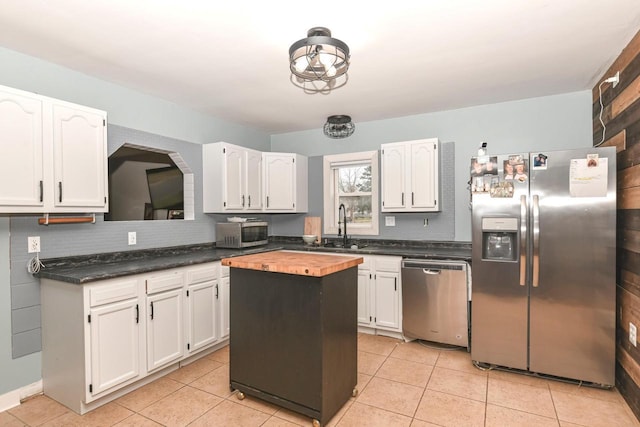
(587, 179)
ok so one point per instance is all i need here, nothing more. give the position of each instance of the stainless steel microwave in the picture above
(241, 234)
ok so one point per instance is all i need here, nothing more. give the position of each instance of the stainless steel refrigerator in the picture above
(544, 257)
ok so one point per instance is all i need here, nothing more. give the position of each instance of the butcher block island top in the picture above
(301, 264)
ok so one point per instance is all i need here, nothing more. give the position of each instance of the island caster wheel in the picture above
(354, 393)
(241, 395)
(315, 423)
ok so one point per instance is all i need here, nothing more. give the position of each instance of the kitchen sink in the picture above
(355, 247)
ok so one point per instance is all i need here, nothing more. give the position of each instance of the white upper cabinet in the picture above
(238, 179)
(410, 176)
(232, 178)
(53, 155)
(285, 182)
(79, 148)
(21, 174)
(253, 200)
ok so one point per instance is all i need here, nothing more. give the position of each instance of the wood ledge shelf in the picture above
(46, 220)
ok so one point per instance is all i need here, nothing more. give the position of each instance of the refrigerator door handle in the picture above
(536, 241)
(523, 240)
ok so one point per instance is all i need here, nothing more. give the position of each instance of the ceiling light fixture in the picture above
(319, 63)
(339, 127)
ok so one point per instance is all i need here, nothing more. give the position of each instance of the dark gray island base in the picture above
(293, 338)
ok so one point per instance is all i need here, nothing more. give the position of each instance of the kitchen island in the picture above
(293, 339)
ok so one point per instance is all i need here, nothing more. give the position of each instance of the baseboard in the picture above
(12, 399)
(374, 331)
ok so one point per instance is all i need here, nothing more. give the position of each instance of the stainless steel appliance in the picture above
(435, 301)
(242, 234)
(544, 256)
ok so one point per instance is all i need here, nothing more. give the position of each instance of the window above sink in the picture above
(351, 179)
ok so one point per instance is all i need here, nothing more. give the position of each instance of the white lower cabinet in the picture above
(201, 312)
(164, 328)
(114, 337)
(379, 291)
(135, 329)
(223, 301)
(92, 339)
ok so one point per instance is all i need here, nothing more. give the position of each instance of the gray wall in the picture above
(547, 123)
(14, 373)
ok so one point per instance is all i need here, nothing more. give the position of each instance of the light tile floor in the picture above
(400, 384)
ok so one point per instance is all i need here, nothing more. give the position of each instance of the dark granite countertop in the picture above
(459, 251)
(90, 268)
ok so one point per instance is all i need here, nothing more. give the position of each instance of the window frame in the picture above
(330, 225)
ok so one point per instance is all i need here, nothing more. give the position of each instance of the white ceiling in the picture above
(229, 59)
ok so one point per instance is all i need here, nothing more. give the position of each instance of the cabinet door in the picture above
(114, 344)
(234, 170)
(253, 192)
(364, 297)
(201, 315)
(424, 173)
(164, 328)
(223, 306)
(80, 157)
(387, 313)
(21, 174)
(393, 177)
(279, 182)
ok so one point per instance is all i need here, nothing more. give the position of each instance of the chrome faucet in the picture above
(344, 221)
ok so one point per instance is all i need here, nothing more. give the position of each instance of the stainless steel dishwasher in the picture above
(435, 300)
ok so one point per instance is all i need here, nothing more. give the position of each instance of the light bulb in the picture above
(326, 60)
(331, 71)
(301, 64)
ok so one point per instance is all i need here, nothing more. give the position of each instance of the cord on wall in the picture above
(615, 80)
(34, 264)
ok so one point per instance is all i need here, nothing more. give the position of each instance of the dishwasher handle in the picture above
(431, 272)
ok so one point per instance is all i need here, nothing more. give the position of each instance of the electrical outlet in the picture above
(390, 221)
(633, 334)
(617, 79)
(33, 244)
(132, 238)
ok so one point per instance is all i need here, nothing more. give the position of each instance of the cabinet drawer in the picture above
(202, 274)
(164, 282)
(224, 271)
(118, 291)
(366, 263)
(391, 264)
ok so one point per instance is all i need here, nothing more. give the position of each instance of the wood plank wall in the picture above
(621, 116)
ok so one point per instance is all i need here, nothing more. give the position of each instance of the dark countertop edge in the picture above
(380, 243)
(91, 268)
(127, 255)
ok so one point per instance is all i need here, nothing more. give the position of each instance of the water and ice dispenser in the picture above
(499, 239)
